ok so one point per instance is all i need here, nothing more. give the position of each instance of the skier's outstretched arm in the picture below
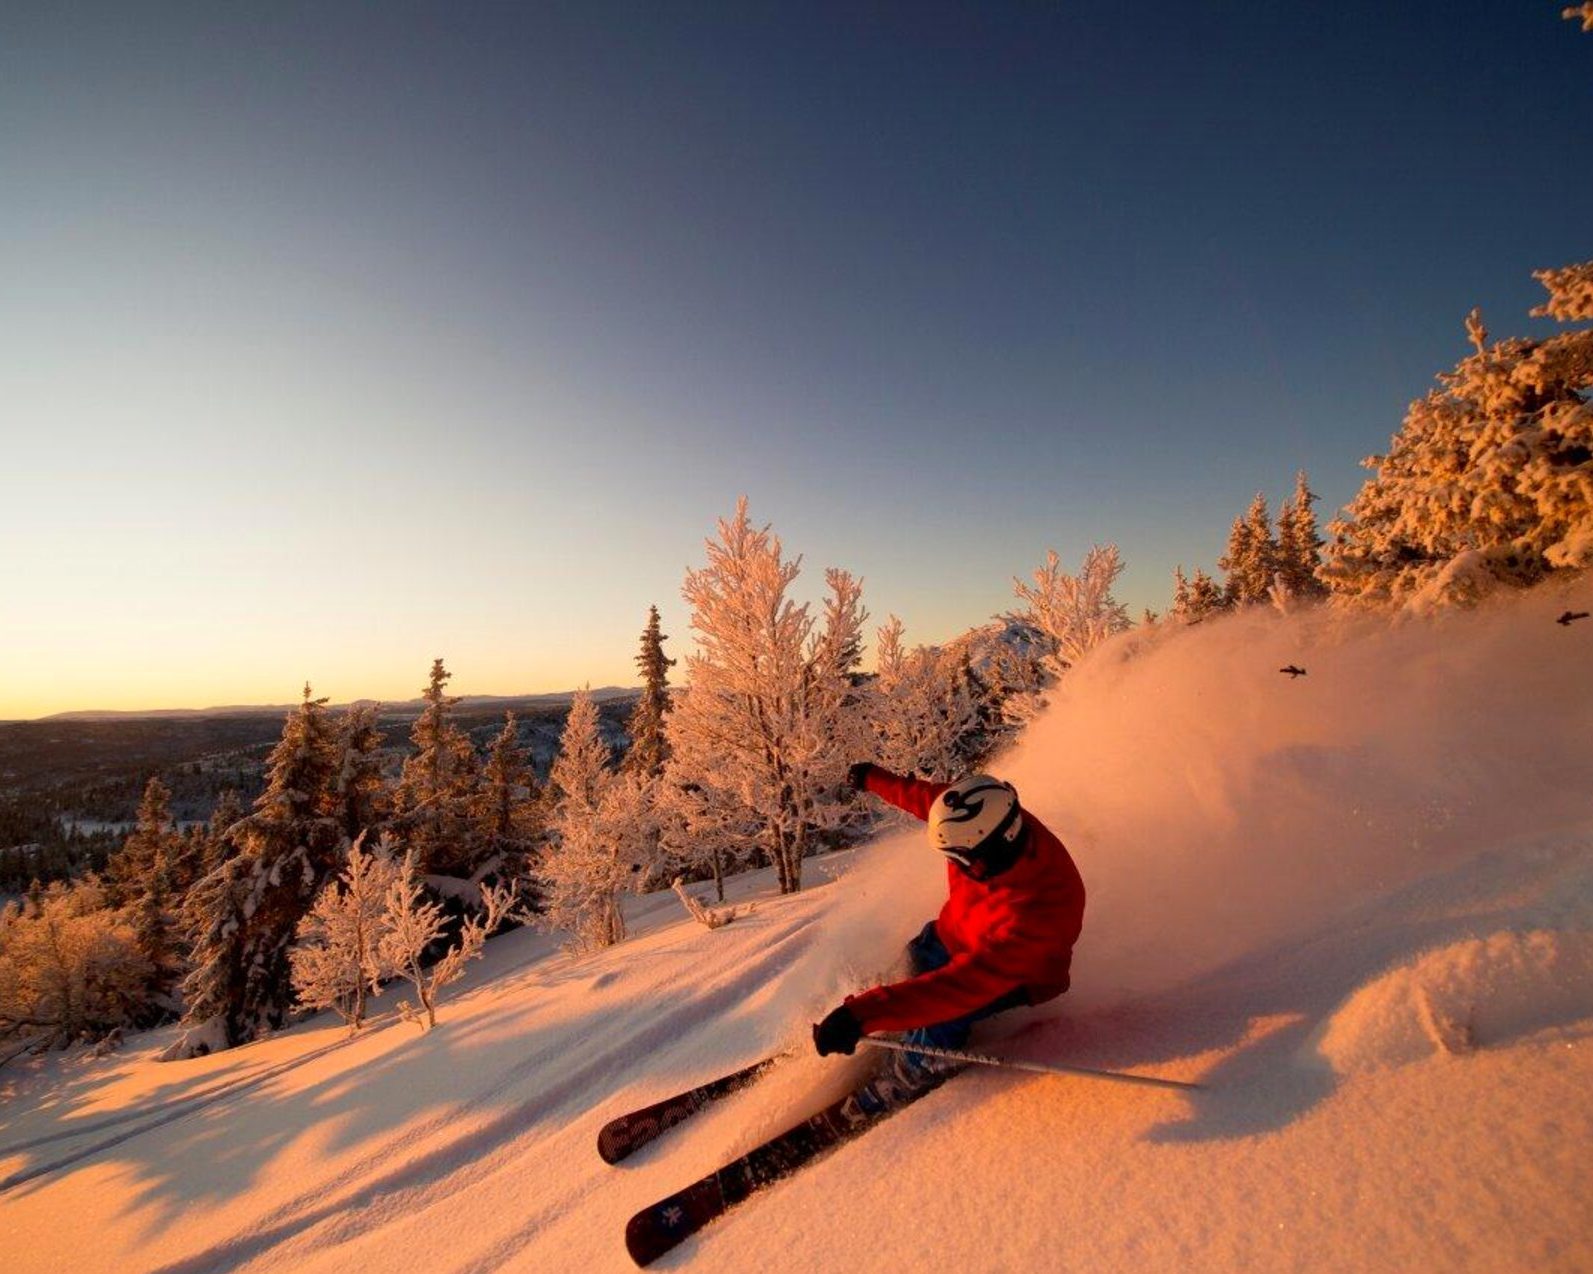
(901, 790)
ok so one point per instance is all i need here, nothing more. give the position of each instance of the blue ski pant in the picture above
(926, 953)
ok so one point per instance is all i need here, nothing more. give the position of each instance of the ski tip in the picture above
(611, 1148)
(646, 1239)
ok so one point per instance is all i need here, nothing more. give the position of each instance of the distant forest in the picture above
(70, 787)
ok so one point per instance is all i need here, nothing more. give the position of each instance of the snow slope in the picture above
(1358, 905)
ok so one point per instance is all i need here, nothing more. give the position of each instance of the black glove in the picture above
(857, 775)
(838, 1033)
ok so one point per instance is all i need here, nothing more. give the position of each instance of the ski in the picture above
(628, 1133)
(661, 1227)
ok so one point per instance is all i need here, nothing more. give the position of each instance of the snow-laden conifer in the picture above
(1251, 561)
(1490, 480)
(596, 827)
(1194, 599)
(437, 785)
(1299, 543)
(770, 717)
(649, 747)
(361, 790)
(504, 812)
(131, 869)
(248, 909)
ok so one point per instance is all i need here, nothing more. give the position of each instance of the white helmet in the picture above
(977, 824)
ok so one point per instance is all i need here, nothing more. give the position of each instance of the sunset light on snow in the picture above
(805, 637)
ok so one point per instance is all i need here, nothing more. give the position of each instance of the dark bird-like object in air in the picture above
(1571, 616)
(1293, 671)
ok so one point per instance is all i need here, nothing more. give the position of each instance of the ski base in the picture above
(664, 1225)
(625, 1135)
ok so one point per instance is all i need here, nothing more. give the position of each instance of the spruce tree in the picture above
(131, 869)
(156, 932)
(649, 749)
(361, 791)
(1490, 479)
(505, 809)
(586, 864)
(250, 906)
(1252, 557)
(436, 787)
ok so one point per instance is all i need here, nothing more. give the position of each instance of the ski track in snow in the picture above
(363, 1197)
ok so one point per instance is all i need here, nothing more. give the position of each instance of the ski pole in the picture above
(1041, 1068)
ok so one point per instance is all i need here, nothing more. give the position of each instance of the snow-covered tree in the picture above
(410, 924)
(1074, 613)
(594, 834)
(1490, 480)
(771, 716)
(70, 967)
(1194, 599)
(361, 790)
(437, 785)
(337, 960)
(923, 711)
(1252, 557)
(247, 910)
(157, 933)
(131, 869)
(649, 747)
(1299, 543)
(504, 811)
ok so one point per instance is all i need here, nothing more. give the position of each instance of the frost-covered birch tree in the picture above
(923, 710)
(337, 961)
(771, 716)
(1073, 613)
(410, 923)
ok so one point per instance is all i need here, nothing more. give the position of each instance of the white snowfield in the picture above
(1358, 905)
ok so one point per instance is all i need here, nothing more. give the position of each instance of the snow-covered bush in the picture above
(1490, 480)
(337, 962)
(410, 924)
(70, 968)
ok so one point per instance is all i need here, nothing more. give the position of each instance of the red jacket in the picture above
(1016, 930)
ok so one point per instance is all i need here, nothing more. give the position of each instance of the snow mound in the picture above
(1474, 994)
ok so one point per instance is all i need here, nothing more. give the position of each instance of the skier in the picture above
(1004, 938)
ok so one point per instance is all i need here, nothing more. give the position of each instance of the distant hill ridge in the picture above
(465, 702)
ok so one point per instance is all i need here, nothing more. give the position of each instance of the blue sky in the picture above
(338, 337)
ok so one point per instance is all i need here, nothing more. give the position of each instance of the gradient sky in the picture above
(336, 337)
